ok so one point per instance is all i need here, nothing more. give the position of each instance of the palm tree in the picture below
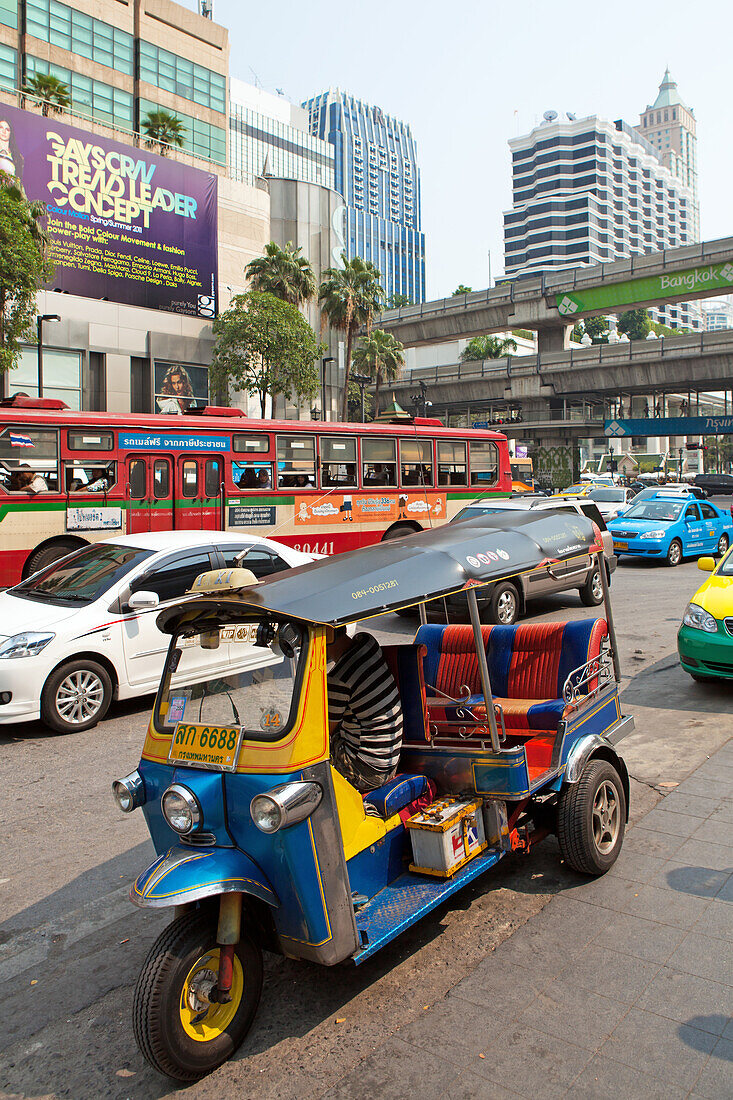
(349, 297)
(380, 355)
(53, 94)
(163, 129)
(284, 273)
(488, 347)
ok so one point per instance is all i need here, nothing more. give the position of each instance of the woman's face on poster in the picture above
(5, 131)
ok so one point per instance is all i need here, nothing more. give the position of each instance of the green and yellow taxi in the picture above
(705, 638)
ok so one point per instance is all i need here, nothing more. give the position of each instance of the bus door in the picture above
(150, 494)
(199, 500)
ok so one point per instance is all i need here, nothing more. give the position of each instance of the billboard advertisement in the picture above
(713, 278)
(179, 388)
(125, 224)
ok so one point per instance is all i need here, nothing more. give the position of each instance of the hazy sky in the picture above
(468, 76)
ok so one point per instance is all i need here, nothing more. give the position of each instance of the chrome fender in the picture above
(586, 749)
(184, 874)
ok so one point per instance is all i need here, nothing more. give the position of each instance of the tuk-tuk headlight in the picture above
(181, 809)
(285, 805)
(129, 792)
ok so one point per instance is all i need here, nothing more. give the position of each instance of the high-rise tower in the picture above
(376, 172)
(670, 126)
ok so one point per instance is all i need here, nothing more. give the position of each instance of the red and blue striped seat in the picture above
(528, 666)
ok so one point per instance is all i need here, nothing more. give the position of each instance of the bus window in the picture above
(296, 461)
(416, 461)
(89, 441)
(338, 461)
(246, 443)
(89, 477)
(29, 461)
(484, 464)
(452, 463)
(138, 478)
(252, 475)
(161, 478)
(190, 478)
(379, 462)
(212, 478)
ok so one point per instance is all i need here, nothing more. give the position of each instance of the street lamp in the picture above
(420, 400)
(328, 359)
(362, 381)
(39, 329)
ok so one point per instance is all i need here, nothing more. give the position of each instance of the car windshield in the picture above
(726, 566)
(239, 674)
(609, 495)
(83, 576)
(664, 511)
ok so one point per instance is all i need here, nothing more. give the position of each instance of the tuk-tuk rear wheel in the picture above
(177, 1030)
(591, 819)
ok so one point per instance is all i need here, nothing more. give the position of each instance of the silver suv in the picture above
(507, 600)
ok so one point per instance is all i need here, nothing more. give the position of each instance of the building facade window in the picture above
(89, 97)
(80, 33)
(182, 77)
(8, 67)
(201, 139)
(9, 13)
(62, 375)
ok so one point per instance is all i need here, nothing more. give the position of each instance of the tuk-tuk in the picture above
(508, 735)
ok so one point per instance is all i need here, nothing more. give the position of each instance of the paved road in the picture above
(71, 944)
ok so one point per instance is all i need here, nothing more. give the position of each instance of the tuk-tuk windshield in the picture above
(241, 674)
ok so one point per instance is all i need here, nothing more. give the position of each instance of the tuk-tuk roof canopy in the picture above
(406, 571)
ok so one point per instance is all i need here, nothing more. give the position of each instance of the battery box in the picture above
(445, 835)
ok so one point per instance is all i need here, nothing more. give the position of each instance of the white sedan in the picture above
(611, 502)
(82, 631)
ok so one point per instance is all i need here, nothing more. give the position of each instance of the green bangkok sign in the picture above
(674, 284)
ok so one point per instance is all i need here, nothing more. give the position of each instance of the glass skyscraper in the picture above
(375, 165)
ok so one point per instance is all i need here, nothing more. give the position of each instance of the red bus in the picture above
(68, 478)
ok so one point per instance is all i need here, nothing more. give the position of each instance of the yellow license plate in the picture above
(620, 545)
(213, 747)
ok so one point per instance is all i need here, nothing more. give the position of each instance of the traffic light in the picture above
(695, 447)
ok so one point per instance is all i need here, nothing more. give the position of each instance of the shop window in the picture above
(61, 374)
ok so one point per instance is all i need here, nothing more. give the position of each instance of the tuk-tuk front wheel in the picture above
(179, 1030)
(591, 819)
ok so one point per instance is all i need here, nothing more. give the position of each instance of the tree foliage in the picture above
(461, 289)
(397, 301)
(354, 403)
(381, 356)
(283, 272)
(265, 346)
(636, 323)
(349, 297)
(488, 347)
(25, 265)
(52, 93)
(597, 329)
(162, 128)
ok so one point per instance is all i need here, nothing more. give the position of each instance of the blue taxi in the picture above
(670, 528)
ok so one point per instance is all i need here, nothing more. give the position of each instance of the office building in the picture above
(589, 191)
(669, 126)
(376, 172)
(717, 313)
(270, 137)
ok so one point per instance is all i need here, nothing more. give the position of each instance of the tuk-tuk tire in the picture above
(157, 1025)
(575, 831)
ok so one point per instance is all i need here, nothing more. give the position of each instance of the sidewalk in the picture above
(621, 986)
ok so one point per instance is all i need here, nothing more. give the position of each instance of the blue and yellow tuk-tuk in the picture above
(509, 734)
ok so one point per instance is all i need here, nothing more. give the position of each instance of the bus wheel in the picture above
(76, 696)
(46, 555)
(178, 1029)
(398, 532)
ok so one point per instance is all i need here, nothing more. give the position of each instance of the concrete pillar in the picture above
(118, 383)
(554, 338)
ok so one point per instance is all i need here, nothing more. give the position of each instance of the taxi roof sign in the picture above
(223, 580)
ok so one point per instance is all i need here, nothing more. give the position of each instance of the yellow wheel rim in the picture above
(202, 1021)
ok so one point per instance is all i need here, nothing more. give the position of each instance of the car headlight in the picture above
(181, 809)
(129, 792)
(699, 618)
(26, 644)
(284, 806)
(653, 535)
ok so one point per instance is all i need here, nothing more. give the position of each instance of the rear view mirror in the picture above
(706, 564)
(140, 601)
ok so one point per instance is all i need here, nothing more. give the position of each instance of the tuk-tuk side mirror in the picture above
(706, 564)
